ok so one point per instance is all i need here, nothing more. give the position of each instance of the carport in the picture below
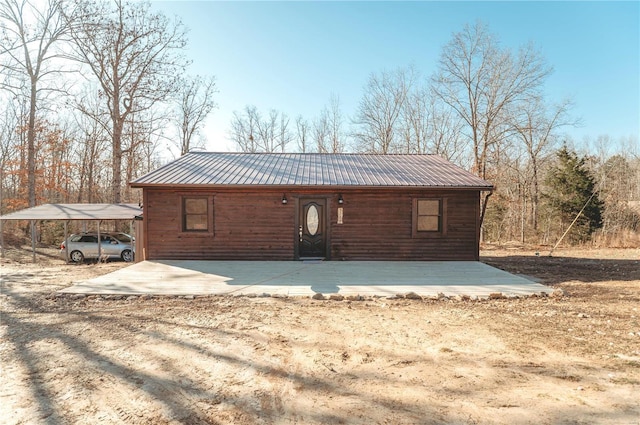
(72, 212)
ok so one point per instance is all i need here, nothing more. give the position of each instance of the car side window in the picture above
(121, 237)
(89, 238)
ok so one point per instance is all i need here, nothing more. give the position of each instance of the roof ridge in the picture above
(310, 153)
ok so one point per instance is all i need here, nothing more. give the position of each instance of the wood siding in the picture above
(379, 226)
(253, 224)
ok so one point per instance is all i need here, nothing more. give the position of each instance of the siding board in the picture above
(253, 224)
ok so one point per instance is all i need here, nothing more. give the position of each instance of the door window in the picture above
(312, 220)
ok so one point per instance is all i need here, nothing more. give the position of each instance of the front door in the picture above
(312, 228)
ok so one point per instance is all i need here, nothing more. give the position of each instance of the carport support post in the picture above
(99, 244)
(66, 242)
(2, 238)
(133, 240)
(33, 239)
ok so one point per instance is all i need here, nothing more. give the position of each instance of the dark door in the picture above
(312, 229)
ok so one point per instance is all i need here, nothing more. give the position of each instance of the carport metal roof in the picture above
(66, 212)
(77, 212)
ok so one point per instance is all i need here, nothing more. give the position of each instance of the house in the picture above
(290, 206)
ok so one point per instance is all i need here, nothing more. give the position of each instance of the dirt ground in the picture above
(240, 360)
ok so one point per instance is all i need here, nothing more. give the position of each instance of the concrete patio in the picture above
(295, 278)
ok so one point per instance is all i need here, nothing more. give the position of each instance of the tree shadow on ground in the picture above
(180, 397)
(34, 322)
(554, 270)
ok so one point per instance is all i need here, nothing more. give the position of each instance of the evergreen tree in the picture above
(570, 186)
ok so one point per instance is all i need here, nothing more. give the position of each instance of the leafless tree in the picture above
(415, 121)
(302, 133)
(28, 37)
(322, 131)
(336, 121)
(445, 133)
(93, 142)
(14, 154)
(253, 133)
(8, 124)
(195, 102)
(327, 128)
(135, 54)
(244, 129)
(537, 127)
(284, 137)
(430, 127)
(631, 145)
(616, 167)
(141, 130)
(481, 81)
(377, 127)
(268, 132)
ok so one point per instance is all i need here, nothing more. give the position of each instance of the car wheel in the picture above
(76, 256)
(127, 255)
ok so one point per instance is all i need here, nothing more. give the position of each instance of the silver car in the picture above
(85, 245)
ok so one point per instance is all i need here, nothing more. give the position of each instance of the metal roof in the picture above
(77, 212)
(299, 169)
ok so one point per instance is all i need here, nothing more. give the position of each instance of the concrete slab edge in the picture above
(550, 293)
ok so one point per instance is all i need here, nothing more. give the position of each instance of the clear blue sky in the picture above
(291, 56)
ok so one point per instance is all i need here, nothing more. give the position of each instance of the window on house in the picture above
(428, 217)
(195, 214)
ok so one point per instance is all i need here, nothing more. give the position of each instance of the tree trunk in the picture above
(31, 148)
(90, 169)
(116, 145)
(534, 196)
(186, 139)
(116, 163)
(523, 215)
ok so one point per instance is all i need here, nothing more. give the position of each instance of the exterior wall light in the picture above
(284, 199)
(340, 200)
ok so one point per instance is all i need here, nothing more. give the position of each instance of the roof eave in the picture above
(281, 187)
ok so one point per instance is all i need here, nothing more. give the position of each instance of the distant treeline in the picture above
(94, 94)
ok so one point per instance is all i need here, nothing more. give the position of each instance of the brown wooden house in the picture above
(244, 206)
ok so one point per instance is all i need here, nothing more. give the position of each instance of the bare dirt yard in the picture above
(240, 360)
